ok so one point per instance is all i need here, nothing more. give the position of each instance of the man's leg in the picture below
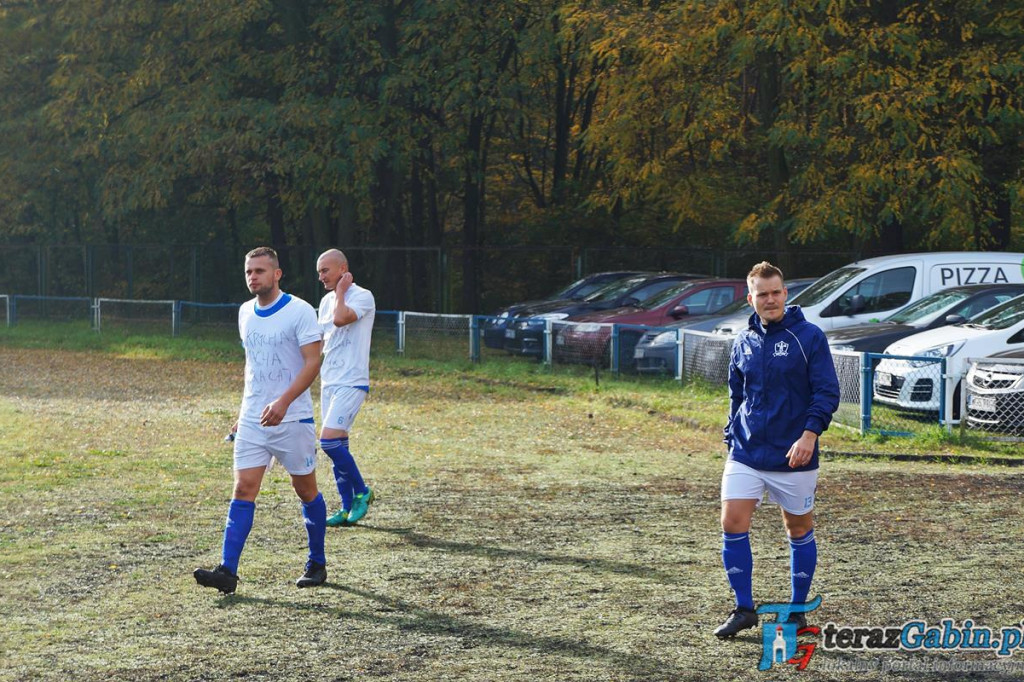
(742, 490)
(314, 512)
(737, 556)
(803, 555)
(241, 512)
(334, 442)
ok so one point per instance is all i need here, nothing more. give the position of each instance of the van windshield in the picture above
(820, 290)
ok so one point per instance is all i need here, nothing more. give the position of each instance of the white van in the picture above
(876, 287)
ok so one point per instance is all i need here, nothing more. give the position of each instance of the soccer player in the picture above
(346, 320)
(282, 343)
(783, 391)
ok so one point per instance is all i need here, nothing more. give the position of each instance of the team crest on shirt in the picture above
(781, 349)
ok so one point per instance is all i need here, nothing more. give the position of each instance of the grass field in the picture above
(528, 526)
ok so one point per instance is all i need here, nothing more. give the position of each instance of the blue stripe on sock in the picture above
(346, 473)
(739, 566)
(314, 513)
(803, 559)
(236, 531)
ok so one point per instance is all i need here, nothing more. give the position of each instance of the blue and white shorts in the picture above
(791, 490)
(339, 406)
(293, 444)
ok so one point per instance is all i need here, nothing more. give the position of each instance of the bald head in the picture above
(333, 256)
(330, 266)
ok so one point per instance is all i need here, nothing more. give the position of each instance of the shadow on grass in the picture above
(398, 613)
(490, 552)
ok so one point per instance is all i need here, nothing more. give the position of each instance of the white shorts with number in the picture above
(339, 406)
(791, 490)
(293, 444)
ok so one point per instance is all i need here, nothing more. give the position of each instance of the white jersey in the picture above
(272, 337)
(347, 349)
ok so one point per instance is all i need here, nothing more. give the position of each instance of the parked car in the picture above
(995, 393)
(655, 352)
(914, 384)
(586, 339)
(950, 306)
(876, 287)
(525, 335)
(494, 328)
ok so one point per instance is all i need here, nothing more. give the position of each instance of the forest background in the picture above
(498, 133)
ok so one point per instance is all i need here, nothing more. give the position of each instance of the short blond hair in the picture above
(264, 251)
(764, 270)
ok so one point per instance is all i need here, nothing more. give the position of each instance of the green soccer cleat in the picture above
(360, 505)
(339, 518)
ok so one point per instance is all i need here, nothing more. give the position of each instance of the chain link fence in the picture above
(434, 278)
(134, 316)
(883, 394)
(579, 343)
(706, 357)
(433, 336)
(851, 388)
(50, 309)
(206, 320)
(994, 398)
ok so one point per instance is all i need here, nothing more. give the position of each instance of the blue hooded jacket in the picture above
(781, 382)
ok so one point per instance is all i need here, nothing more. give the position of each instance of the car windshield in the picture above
(1002, 316)
(927, 306)
(819, 291)
(612, 291)
(736, 306)
(571, 290)
(664, 297)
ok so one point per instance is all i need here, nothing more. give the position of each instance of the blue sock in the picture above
(739, 565)
(315, 514)
(803, 557)
(346, 473)
(236, 530)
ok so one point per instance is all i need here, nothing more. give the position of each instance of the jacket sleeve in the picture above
(735, 391)
(824, 384)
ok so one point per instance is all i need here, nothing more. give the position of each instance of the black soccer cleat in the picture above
(739, 619)
(798, 619)
(316, 574)
(220, 578)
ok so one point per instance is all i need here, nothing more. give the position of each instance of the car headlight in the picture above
(664, 339)
(944, 351)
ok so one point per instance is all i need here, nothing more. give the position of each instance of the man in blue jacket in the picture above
(783, 391)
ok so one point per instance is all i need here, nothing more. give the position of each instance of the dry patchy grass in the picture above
(519, 534)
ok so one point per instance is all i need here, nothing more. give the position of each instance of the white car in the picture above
(915, 384)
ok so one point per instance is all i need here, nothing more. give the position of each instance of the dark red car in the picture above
(586, 337)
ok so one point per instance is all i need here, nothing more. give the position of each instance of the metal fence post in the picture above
(865, 393)
(548, 351)
(175, 318)
(474, 338)
(944, 418)
(400, 336)
(614, 352)
(680, 354)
